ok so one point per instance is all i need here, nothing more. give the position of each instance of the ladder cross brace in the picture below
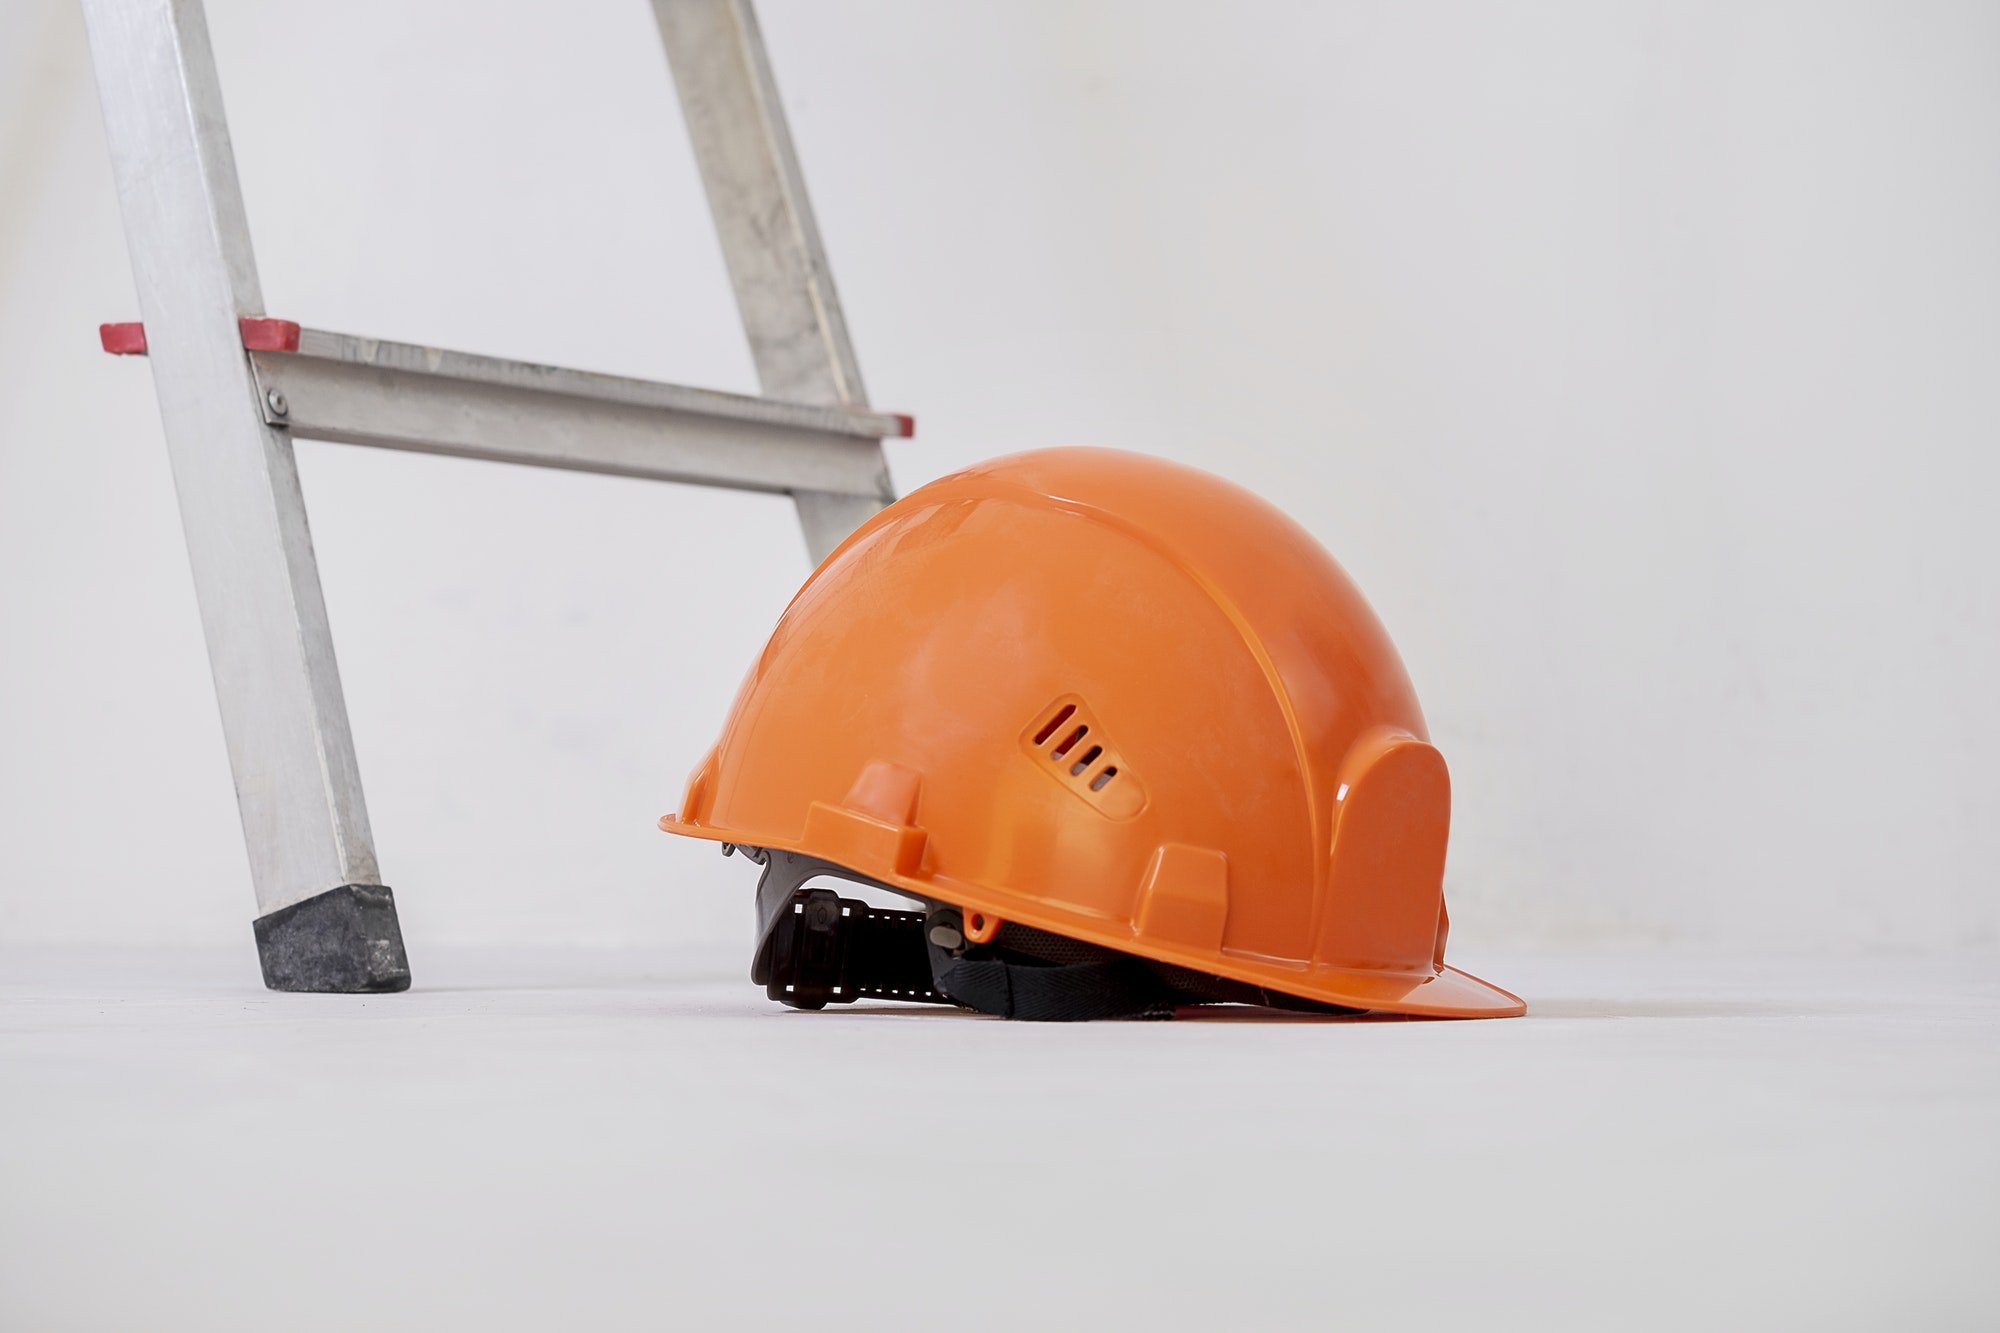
(349, 390)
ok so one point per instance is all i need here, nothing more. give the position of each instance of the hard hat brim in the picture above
(1445, 992)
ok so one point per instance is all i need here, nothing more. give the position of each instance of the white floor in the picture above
(609, 1141)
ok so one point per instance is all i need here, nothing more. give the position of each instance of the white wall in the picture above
(1639, 360)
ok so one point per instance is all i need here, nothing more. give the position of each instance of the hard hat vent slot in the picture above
(1069, 742)
(1049, 727)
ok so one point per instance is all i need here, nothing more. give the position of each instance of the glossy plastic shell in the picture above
(1120, 699)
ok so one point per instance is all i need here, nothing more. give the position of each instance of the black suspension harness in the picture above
(816, 948)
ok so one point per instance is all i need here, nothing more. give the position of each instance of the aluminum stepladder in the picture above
(236, 388)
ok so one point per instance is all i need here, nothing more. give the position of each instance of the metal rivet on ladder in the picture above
(275, 400)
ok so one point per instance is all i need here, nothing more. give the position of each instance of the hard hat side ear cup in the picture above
(1384, 899)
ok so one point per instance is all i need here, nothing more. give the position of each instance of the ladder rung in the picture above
(332, 386)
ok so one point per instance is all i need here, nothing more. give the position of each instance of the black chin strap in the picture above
(1080, 981)
(817, 948)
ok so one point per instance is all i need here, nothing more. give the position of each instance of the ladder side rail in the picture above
(312, 859)
(770, 240)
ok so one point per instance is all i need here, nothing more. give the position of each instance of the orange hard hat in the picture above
(1128, 736)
